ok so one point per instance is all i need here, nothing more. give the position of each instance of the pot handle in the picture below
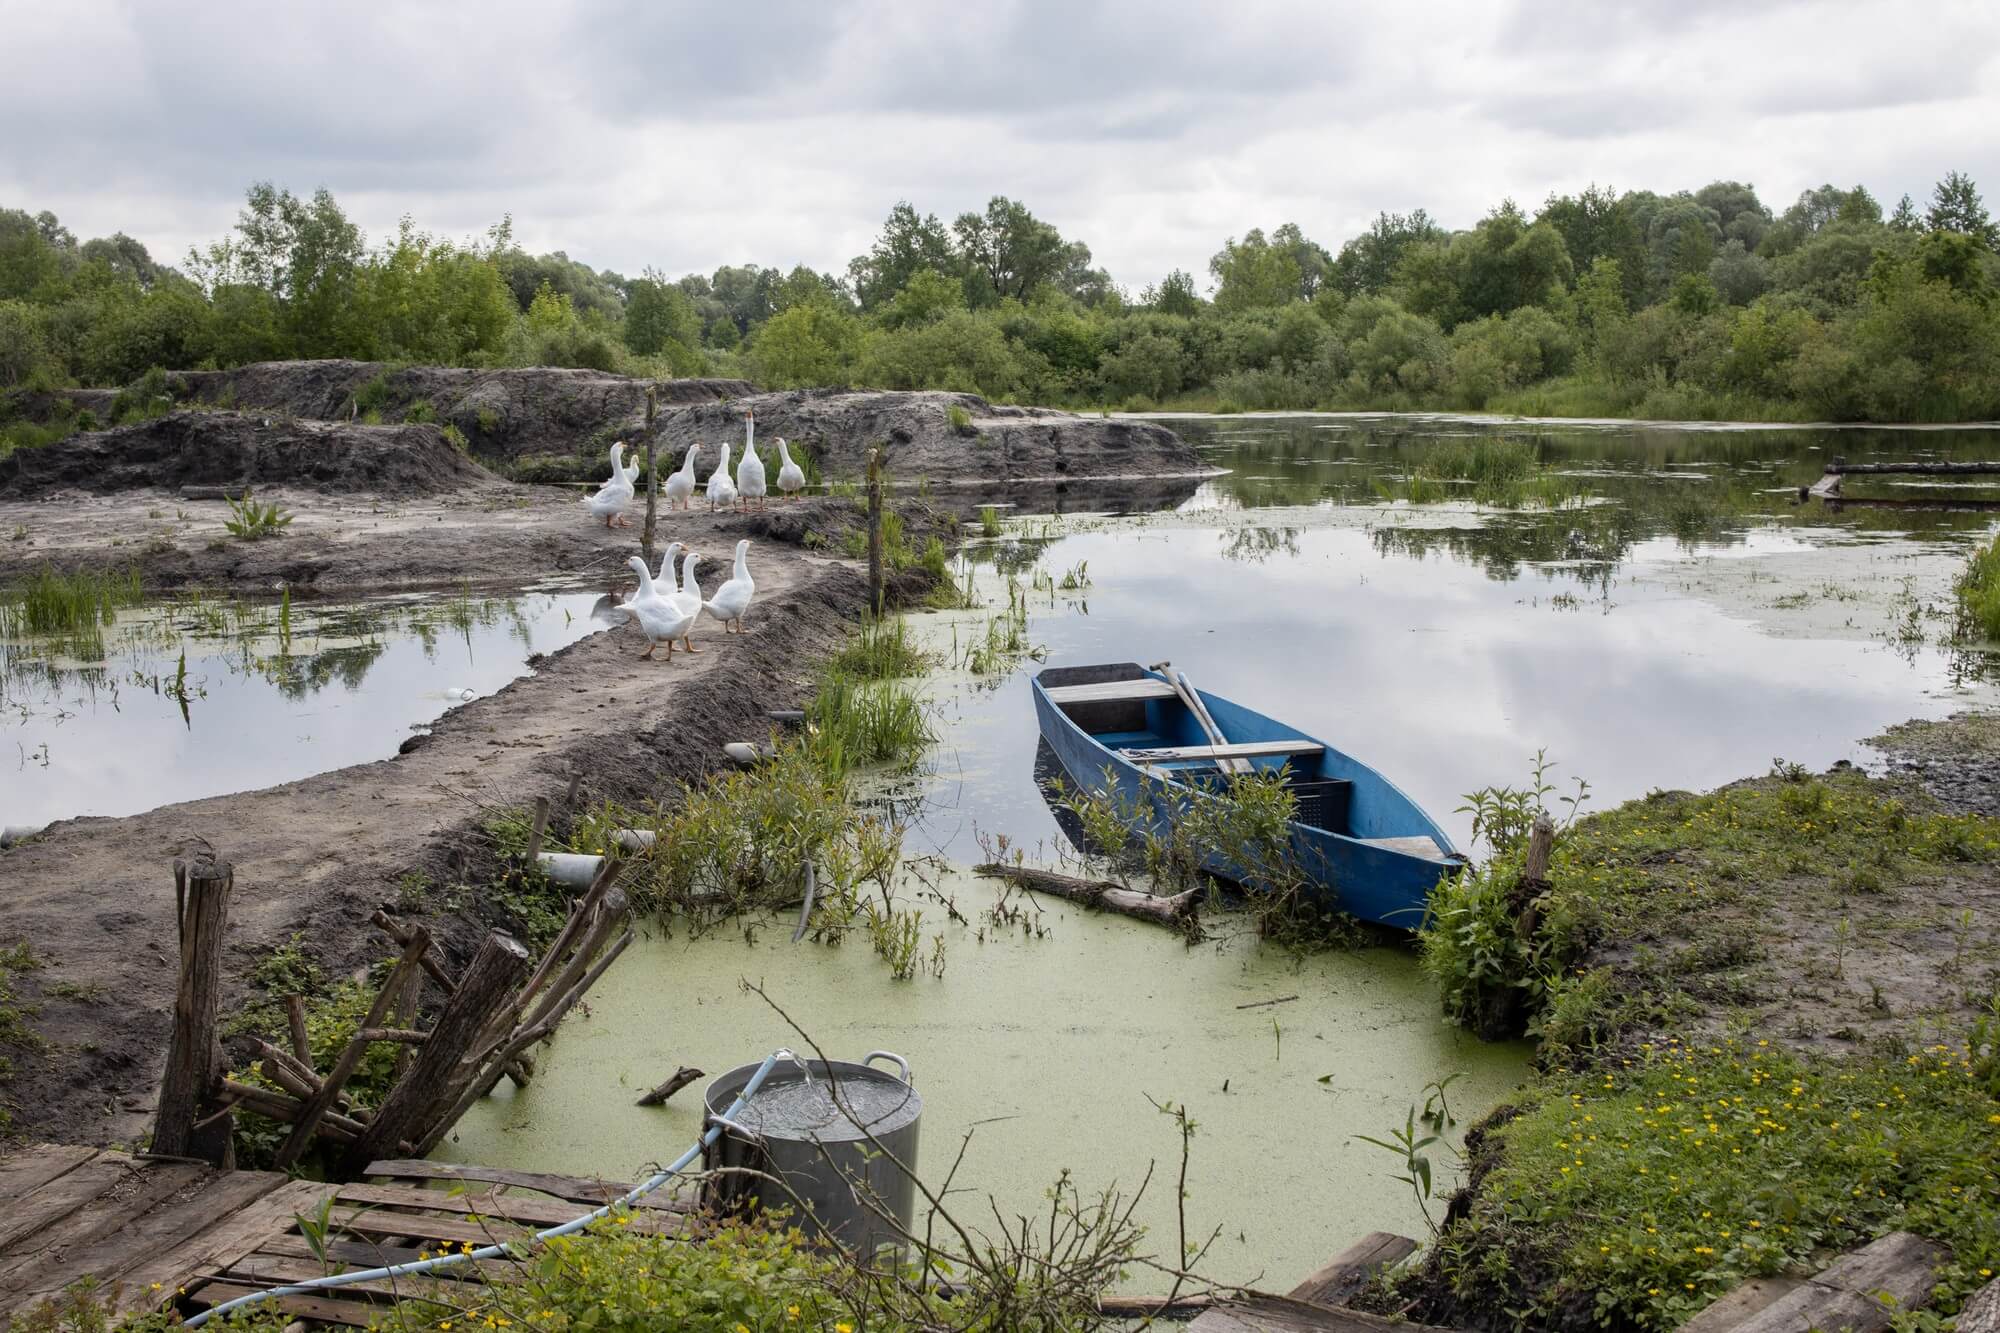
(901, 1063)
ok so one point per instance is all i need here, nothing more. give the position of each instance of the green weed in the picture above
(250, 521)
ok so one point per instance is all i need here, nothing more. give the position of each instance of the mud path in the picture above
(94, 897)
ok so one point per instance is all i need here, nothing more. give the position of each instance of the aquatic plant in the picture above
(1498, 470)
(1423, 1131)
(882, 651)
(1978, 594)
(855, 721)
(251, 521)
(50, 602)
(741, 842)
(989, 521)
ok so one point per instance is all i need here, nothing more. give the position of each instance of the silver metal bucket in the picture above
(840, 1143)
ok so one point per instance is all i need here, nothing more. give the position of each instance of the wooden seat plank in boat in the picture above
(1245, 750)
(1423, 847)
(1110, 692)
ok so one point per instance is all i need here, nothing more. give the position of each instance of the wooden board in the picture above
(325, 1309)
(1860, 1291)
(1110, 692)
(1281, 1314)
(574, 1188)
(507, 1207)
(49, 1204)
(92, 1227)
(1243, 750)
(144, 1236)
(1340, 1277)
(225, 1239)
(1729, 1310)
(31, 1168)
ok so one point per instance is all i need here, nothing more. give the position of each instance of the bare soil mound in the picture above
(503, 413)
(244, 449)
(941, 436)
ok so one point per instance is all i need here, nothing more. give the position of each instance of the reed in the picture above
(856, 723)
(54, 603)
(882, 651)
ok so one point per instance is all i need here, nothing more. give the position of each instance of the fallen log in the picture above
(683, 1076)
(1177, 912)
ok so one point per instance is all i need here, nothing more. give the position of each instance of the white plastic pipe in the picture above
(568, 1228)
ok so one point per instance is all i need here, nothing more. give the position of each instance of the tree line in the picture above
(1703, 303)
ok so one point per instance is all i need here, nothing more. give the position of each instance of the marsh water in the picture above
(1681, 623)
(189, 697)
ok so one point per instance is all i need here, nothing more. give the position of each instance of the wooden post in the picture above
(875, 530)
(1541, 842)
(541, 824)
(295, 1018)
(652, 476)
(437, 1075)
(194, 1052)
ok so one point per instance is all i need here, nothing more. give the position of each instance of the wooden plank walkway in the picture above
(152, 1231)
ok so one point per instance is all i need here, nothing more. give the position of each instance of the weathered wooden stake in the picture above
(437, 1075)
(875, 530)
(1541, 842)
(195, 1066)
(652, 477)
(683, 1076)
(295, 1017)
(541, 825)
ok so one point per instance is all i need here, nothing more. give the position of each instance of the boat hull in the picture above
(1346, 870)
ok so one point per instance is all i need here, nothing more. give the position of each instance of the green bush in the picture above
(1978, 594)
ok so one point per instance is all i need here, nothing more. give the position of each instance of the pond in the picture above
(189, 697)
(1681, 623)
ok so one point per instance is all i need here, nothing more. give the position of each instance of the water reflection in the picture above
(196, 696)
(1680, 626)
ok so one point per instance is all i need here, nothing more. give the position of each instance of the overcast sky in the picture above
(690, 135)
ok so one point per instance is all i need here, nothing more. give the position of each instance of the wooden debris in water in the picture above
(683, 1076)
(1177, 912)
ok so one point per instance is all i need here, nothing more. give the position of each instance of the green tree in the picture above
(1008, 252)
(1597, 224)
(909, 244)
(1253, 273)
(1739, 276)
(1905, 217)
(1174, 296)
(24, 352)
(808, 345)
(1369, 262)
(925, 297)
(1956, 206)
(1314, 263)
(658, 313)
(304, 252)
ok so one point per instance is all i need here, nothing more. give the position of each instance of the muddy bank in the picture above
(94, 897)
(244, 449)
(1956, 761)
(921, 439)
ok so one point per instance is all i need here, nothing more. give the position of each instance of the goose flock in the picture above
(667, 605)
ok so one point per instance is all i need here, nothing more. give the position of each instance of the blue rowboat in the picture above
(1123, 733)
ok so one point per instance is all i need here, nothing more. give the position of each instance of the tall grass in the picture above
(55, 603)
(857, 723)
(1978, 592)
(882, 651)
(1496, 470)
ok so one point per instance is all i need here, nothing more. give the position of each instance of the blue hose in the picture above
(568, 1228)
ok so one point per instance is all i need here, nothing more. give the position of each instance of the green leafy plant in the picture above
(250, 521)
(1424, 1130)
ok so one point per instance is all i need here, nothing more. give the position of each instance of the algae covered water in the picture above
(1048, 1041)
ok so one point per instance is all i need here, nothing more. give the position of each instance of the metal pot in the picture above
(837, 1140)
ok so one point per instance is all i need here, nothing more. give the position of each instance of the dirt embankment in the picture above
(94, 897)
(504, 414)
(921, 439)
(244, 449)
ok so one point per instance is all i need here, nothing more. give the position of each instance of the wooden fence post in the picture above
(194, 1052)
(652, 476)
(438, 1075)
(875, 530)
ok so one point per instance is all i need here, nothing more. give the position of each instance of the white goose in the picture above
(659, 619)
(791, 477)
(732, 599)
(721, 490)
(612, 497)
(688, 599)
(680, 484)
(750, 472)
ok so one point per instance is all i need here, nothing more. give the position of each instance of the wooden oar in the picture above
(1178, 679)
